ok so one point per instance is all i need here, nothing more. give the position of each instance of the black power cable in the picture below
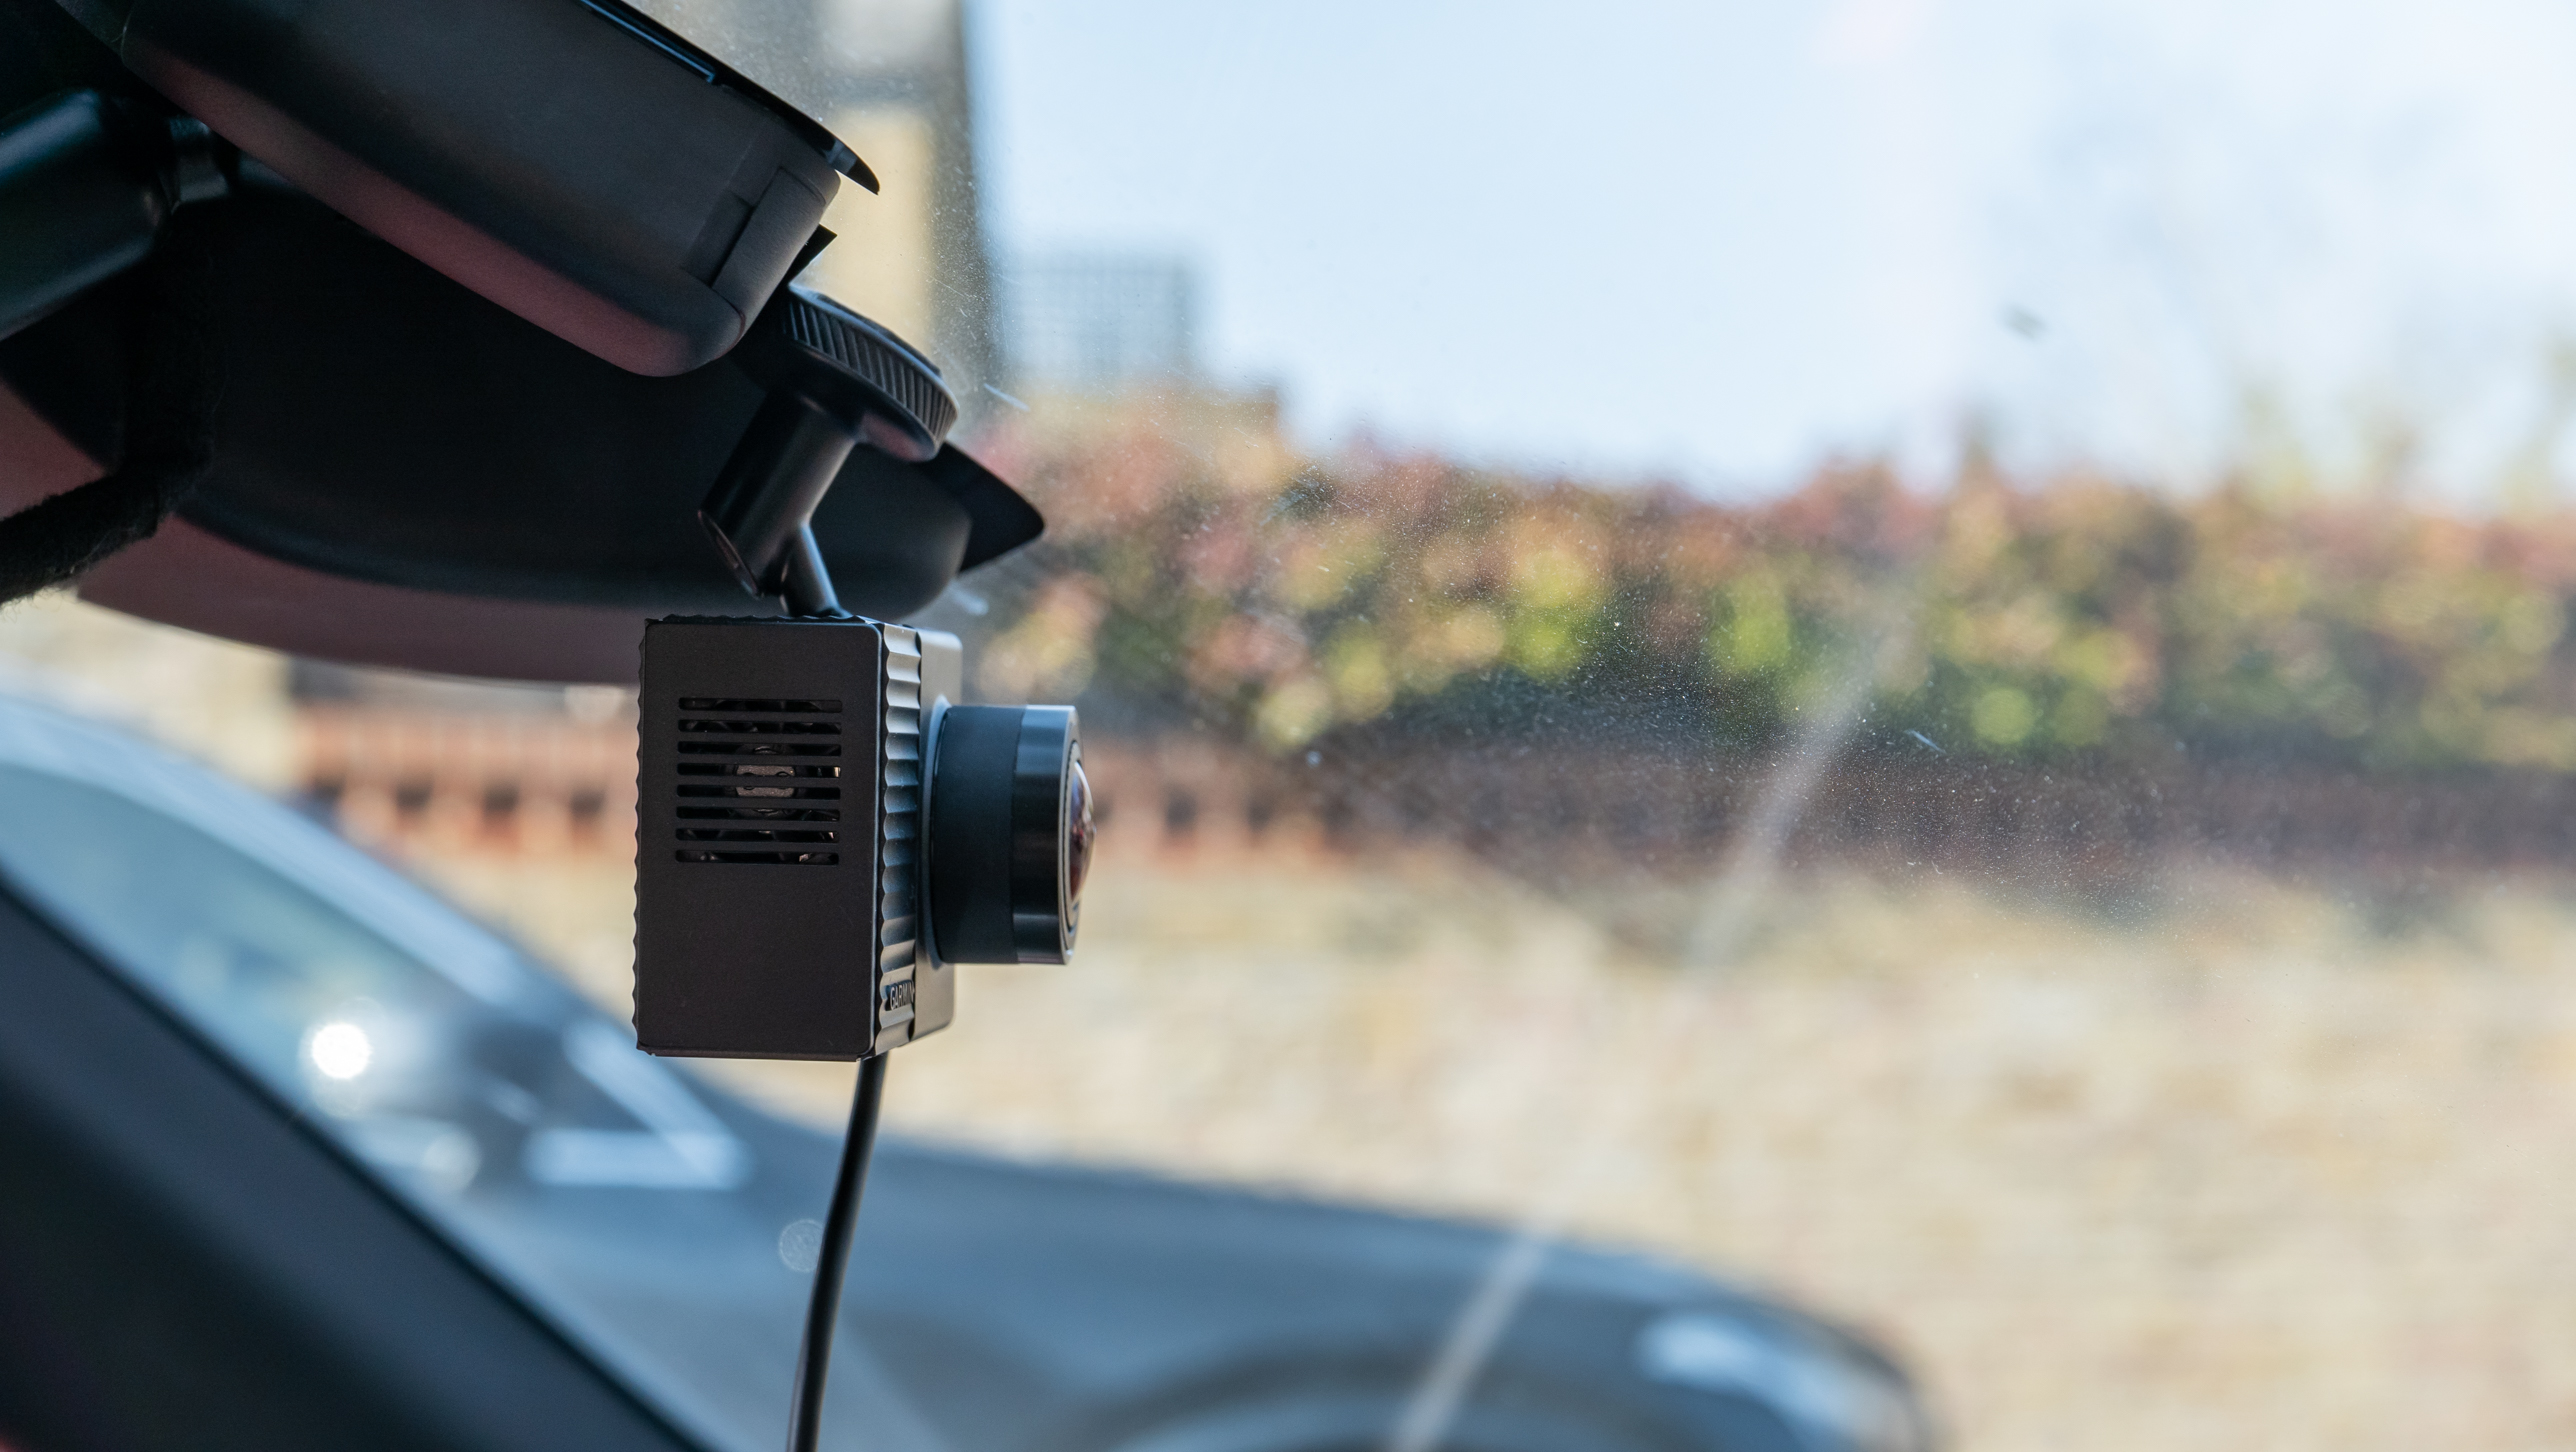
(813, 1361)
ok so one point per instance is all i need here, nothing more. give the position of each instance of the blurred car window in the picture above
(486, 1095)
(408, 1066)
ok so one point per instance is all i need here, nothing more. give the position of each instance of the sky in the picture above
(1718, 242)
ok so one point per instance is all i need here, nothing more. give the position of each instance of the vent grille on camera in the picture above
(899, 841)
(758, 782)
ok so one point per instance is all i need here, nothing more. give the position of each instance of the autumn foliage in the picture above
(1197, 574)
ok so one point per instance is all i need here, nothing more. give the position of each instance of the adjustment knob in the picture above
(835, 380)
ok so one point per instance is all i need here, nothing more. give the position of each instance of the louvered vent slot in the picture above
(758, 782)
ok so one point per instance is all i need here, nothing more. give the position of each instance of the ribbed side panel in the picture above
(899, 840)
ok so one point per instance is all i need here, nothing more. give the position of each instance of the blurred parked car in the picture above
(297, 1156)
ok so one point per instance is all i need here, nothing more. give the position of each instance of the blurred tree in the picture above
(1192, 579)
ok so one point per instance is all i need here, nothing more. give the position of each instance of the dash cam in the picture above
(823, 831)
(823, 828)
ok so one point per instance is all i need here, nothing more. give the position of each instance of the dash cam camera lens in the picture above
(1079, 833)
(1010, 834)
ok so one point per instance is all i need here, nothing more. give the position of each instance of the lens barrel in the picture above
(1010, 834)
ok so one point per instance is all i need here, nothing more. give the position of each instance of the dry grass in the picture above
(2258, 1169)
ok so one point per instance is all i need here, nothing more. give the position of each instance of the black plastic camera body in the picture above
(823, 831)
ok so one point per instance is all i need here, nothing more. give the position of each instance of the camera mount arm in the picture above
(836, 381)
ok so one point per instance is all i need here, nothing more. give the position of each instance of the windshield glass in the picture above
(1911, 653)
(1918, 651)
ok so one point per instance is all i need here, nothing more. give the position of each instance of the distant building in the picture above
(1096, 322)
